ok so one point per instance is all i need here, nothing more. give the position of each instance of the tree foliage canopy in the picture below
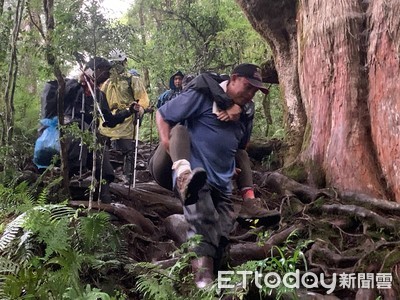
(159, 38)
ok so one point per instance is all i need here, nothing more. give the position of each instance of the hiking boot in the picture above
(203, 271)
(189, 183)
(253, 209)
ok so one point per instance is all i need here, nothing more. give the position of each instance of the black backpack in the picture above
(208, 83)
(49, 97)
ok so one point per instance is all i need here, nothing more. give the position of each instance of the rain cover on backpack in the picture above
(48, 144)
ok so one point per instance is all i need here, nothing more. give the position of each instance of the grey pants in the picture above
(212, 215)
(160, 164)
(127, 147)
(212, 218)
(245, 177)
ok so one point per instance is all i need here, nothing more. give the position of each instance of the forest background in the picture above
(64, 253)
(336, 108)
(159, 37)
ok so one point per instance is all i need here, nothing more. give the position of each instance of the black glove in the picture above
(134, 108)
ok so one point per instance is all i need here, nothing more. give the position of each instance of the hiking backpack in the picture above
(47, 144)
(49, 97)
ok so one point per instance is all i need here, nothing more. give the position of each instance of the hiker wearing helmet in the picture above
(175, 85)
(122, 90)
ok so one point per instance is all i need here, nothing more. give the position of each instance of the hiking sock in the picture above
(247, 193)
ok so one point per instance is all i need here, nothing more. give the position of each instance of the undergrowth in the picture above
(57, 252)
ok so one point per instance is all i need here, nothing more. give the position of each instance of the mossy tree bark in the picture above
(337, 64)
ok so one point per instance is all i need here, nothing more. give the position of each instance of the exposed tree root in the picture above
(369, 217)
(388, 207)
(240, 253)
(283, 185)
(350, 232)
(128, 214)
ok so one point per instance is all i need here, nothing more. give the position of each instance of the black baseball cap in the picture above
(99, 62)
(102, 72)
(252, 74)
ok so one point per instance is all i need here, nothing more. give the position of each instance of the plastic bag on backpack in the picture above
(48, 144)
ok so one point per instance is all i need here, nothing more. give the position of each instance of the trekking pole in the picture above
(132, 181)
(96, 104)
(89, 78)
(136, 149)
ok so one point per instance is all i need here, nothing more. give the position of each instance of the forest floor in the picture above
(350, 240)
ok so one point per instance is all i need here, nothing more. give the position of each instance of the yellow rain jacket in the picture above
(119, 96)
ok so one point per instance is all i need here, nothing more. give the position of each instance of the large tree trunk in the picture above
(384, 90)
(338, 62)
(276, 22)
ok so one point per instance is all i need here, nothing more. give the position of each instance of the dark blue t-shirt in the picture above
(213, 142)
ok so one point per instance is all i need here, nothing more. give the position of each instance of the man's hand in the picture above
(231, 114)
(134, 107)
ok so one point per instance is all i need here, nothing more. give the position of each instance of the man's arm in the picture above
(164, 130)
(111, 120)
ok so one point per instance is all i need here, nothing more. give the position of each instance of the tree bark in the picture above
(340, 140)
(338, 64)
(276, 23)
(12, 74)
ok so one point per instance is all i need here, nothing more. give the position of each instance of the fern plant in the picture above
(15, 198)
(48, 250)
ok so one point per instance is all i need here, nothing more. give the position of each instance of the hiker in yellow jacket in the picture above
(122, 89)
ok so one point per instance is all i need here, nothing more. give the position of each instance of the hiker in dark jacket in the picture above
(98, 70)
(202, 176)
(175, 85)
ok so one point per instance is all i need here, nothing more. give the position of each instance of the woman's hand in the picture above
(231, 114)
